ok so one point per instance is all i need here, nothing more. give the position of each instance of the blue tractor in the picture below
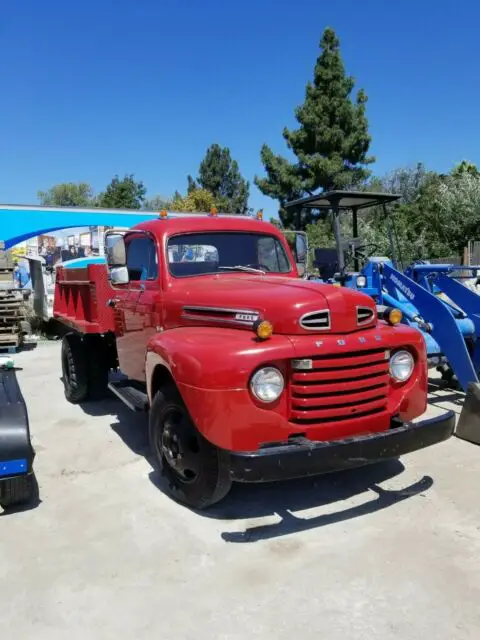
(431, 297)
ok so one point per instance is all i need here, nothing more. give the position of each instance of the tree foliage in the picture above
(220, 175)
(435, 217)
(68, 194)
(125, 193)
(331, 142)
(197, 200)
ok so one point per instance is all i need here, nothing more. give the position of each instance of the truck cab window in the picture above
(195, 254)
(142, 262)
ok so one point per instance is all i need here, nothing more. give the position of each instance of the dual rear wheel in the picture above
(84, 368)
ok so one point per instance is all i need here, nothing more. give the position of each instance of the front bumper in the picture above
(305, 457)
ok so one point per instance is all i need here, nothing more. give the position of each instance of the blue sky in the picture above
(91, 88)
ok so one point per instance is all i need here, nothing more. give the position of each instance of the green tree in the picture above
(126, 193)
(220, 175)
(465, 167)
(331, 143)
(157, 203)
(68, 194)
(197, 200)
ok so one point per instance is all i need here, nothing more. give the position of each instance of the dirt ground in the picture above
(389, 551)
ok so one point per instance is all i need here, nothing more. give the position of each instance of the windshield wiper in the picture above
(240, 267)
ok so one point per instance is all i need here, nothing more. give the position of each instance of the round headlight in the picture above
(361, 282)
(267, 384)
(401, 365)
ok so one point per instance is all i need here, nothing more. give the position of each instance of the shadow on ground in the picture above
(246, 502)
(440, 393)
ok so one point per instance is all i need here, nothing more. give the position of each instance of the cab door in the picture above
(138, 304)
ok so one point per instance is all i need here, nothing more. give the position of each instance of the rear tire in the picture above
(98, 369)
(195, 470)
(74, 368)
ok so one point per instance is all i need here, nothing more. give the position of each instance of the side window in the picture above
(142, 262)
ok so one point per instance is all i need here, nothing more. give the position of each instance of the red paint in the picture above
(348, 392)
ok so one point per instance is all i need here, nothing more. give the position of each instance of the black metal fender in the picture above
(468, 427)
(16, 450)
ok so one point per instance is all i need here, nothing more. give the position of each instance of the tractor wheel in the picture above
(98, 368)
(192, 466)
(18, 490)
(74, 368)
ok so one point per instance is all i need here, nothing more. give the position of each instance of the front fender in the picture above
(214, 358)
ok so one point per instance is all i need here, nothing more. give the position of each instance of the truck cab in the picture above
(249, 373)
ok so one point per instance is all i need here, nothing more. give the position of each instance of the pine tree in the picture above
(220, 175)
(127, 193)
(331, 143)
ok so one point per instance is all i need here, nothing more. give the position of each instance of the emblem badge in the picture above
(319, 343)
(362, 340)
(341, 342)
(378, 338)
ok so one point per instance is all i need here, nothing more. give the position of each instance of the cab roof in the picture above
(198, 223)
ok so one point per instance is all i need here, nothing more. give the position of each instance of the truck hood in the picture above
(292, 305)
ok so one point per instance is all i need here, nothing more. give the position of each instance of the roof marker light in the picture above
(259, 215)
(163, 213)
(214, 212)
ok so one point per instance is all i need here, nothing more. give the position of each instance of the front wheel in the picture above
(192, 466)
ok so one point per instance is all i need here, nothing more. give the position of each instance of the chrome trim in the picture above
(312, 313)
(369, 320)
(220, 310)
(189, 314)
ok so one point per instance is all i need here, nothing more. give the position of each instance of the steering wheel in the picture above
(258, 265)
(363, 252)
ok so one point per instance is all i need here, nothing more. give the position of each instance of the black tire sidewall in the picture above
(74, 368)
(97, 368)
(213, 483)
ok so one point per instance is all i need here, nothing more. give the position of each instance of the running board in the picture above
(130, 394)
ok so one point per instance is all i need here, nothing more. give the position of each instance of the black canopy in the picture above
(342, 200)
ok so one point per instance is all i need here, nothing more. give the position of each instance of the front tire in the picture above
(193, 467)
(74, 368)
(18, 491)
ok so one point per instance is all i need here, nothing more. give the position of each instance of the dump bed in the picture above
(81, 299)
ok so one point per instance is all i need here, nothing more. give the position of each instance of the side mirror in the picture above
(115, 250)
(301, 252)
(298, 243)
(119, 275)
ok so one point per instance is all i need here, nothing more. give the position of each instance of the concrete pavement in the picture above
(390, 551)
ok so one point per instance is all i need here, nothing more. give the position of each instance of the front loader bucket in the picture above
(468, 427)
(444, 328)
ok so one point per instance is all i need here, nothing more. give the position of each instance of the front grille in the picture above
(340, 387)
(316, 320)
(365, 315)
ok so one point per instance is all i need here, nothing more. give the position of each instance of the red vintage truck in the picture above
(250, 373)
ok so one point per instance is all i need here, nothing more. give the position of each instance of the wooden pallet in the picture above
(11, 314)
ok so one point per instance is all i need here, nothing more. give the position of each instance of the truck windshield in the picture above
(202, 253)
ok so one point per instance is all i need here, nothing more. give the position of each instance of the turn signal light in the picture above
(263, 329)
(393, 316)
